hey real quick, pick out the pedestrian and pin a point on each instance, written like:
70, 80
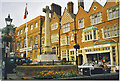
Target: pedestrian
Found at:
100, 63
105, 67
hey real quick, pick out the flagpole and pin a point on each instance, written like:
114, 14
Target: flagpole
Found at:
26, 39
26, 31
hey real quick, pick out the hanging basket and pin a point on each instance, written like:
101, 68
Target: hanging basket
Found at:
76, 46
7, 38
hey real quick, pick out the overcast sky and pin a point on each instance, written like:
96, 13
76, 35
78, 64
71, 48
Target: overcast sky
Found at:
16, 9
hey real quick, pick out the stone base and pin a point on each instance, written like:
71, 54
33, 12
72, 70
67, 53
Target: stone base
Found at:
48, 57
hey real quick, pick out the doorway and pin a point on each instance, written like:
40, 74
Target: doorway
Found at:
80, 59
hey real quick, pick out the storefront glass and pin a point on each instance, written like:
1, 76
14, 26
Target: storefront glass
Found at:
103, 57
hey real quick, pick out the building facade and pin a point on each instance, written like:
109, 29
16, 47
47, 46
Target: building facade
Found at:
98, 33
33, 30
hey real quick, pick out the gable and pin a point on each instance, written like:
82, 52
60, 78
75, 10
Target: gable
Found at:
96, 7
66, 18
110, 3
81, 13
54, 18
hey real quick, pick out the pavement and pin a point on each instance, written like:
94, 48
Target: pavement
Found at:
107, 76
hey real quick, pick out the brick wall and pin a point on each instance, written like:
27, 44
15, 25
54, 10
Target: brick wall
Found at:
35, 70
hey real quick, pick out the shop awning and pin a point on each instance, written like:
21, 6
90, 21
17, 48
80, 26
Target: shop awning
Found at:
98, 52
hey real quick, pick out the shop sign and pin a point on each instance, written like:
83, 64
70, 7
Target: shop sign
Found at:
24, 49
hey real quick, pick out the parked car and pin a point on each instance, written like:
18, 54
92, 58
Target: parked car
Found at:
89, 69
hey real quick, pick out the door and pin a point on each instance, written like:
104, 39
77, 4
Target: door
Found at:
80, 59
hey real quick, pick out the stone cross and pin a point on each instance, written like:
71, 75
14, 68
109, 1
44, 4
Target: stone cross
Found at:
47, 48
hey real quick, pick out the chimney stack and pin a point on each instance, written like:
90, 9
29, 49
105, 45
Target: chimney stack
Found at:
81, 3
55, 8
70, 7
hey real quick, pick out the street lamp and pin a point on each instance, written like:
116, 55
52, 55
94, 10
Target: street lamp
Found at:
8, 23
76, 46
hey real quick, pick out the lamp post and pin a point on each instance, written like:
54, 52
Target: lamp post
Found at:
76, 46
8, 23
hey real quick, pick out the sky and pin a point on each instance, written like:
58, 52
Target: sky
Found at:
16, 9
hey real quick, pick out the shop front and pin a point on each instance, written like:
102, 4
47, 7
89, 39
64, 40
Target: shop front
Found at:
106, 53
103, 57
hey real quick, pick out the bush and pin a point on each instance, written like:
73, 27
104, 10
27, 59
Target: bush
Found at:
55, 75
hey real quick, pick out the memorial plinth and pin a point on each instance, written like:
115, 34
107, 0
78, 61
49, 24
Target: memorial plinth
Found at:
47, 56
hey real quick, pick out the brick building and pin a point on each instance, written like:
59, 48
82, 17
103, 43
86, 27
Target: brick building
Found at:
33, 34
98, 33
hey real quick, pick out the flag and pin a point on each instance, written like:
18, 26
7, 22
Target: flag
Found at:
26, 12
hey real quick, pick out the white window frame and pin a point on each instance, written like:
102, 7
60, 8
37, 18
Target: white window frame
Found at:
113, 31
54, 38
113, 12
81, 23
72, 37
66, 28
54, 26
36, 24
96, 18
90, 35
21, 31
31, 27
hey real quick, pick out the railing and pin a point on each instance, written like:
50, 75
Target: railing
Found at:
41, 63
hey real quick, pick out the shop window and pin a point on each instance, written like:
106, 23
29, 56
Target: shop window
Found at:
114, 55
103, 49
